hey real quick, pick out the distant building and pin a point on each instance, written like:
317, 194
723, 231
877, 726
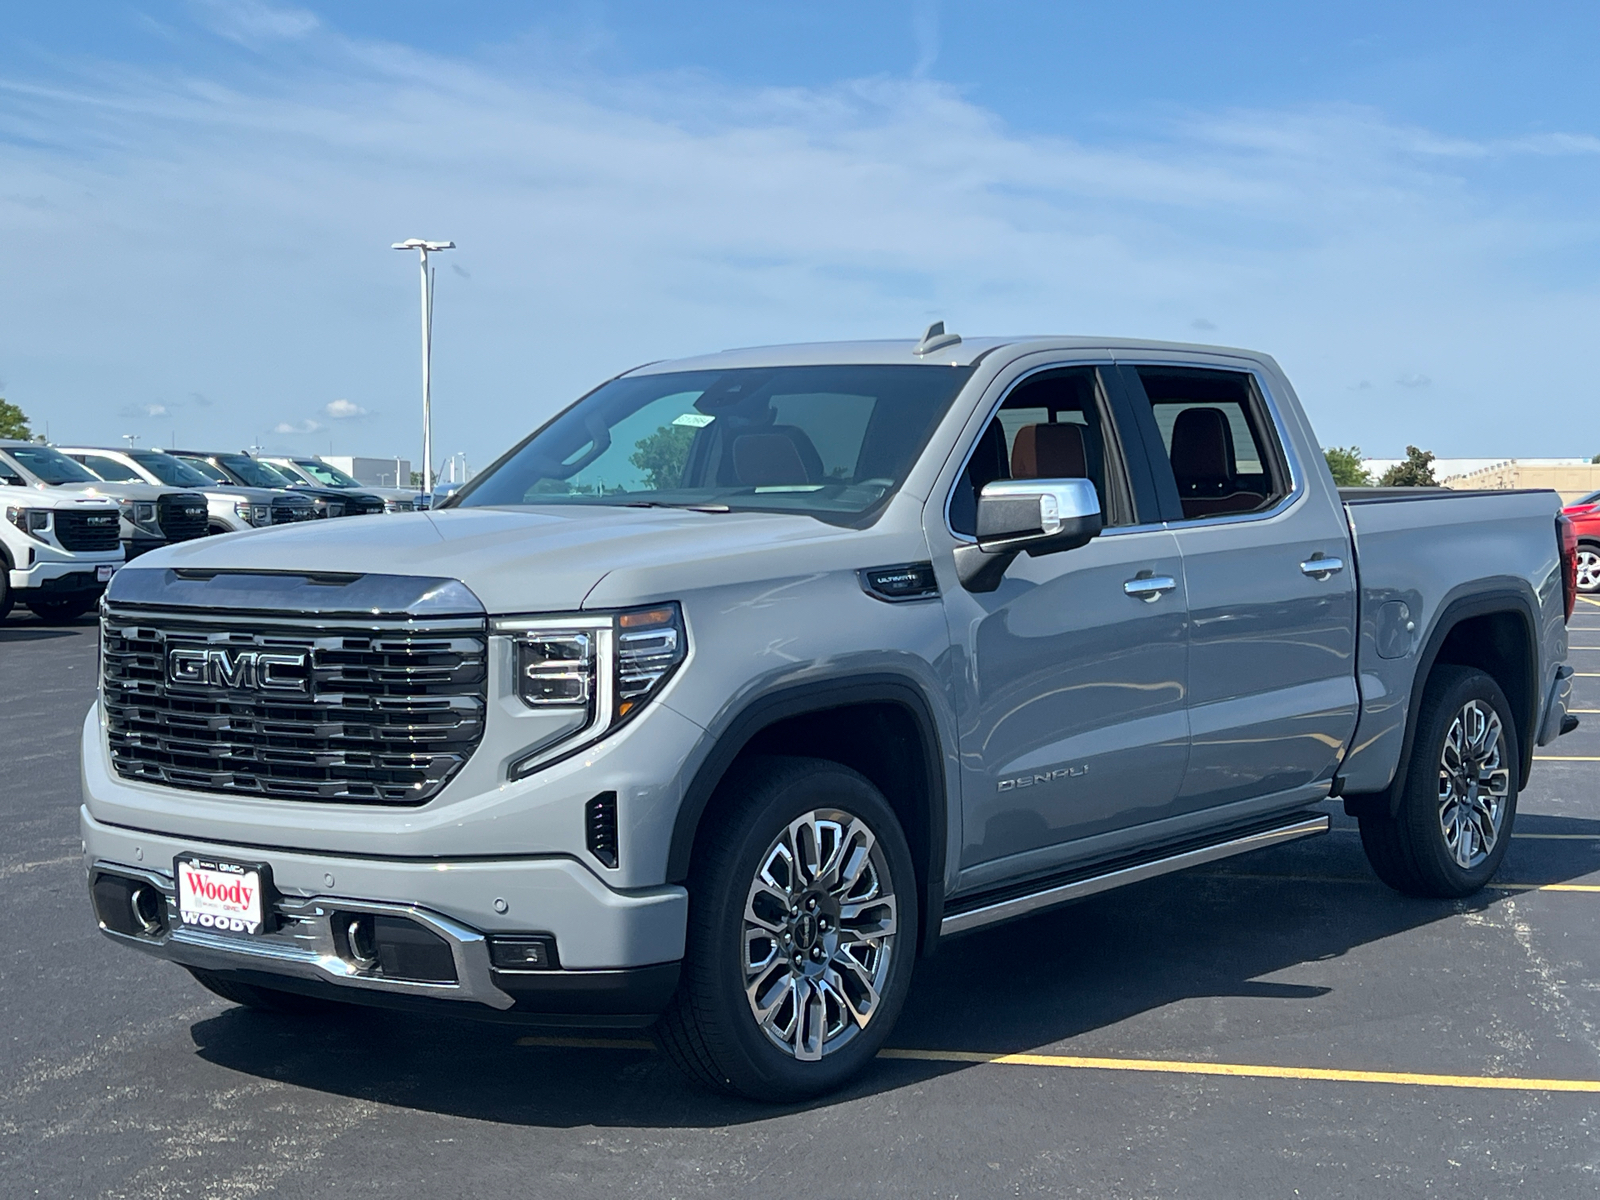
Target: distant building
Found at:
374, 472
1571, 477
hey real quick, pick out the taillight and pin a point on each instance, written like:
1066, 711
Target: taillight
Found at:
1567, 540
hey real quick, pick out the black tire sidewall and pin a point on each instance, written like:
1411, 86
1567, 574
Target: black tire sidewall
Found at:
1447, 693
779, 791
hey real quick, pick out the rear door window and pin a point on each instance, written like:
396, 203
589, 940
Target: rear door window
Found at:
1219, 445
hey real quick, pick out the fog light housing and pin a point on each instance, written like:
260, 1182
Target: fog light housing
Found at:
524, 952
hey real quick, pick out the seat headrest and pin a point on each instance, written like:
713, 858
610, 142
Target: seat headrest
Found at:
1049, 452
1202, 447
768, 459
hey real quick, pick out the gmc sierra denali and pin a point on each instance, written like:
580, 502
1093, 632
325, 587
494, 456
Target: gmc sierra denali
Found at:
747, 679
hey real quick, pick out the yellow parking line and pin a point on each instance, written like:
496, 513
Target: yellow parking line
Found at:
1541, 837
1159, 1066
1372, 880
1163, 1066
1583, 710
1566, 758
1586, 674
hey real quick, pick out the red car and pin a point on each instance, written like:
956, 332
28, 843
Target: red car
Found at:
1585, 517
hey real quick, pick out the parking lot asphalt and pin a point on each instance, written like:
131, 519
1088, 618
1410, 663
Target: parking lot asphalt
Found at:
1277, 1025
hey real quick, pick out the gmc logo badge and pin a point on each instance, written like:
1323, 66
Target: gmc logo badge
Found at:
239, 670
107, 520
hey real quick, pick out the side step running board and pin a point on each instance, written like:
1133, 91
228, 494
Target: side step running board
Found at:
1052, 894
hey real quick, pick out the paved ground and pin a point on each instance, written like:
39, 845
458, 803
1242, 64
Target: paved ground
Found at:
120, 1077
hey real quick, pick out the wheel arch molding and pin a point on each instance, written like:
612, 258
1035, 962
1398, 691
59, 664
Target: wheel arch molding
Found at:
868, 720
1471, 609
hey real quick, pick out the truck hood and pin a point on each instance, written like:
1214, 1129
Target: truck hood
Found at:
513, 560
124, 491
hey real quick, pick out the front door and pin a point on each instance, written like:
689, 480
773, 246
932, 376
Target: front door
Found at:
1272, 694
1072, 673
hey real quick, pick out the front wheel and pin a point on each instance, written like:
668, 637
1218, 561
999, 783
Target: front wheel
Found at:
1588, 567
1455, 816
802, 933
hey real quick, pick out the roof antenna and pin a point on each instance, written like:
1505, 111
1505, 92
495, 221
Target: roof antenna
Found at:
935, 339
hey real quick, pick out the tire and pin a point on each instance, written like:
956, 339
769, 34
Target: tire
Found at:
711, 1029
66, 608
263, 999
1589, 567
5, 589
1466, 747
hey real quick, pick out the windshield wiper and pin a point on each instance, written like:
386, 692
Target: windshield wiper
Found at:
709, 508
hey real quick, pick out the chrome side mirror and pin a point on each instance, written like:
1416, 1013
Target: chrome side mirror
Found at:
1039, 516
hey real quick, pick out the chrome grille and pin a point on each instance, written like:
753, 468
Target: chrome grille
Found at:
88, 530
182, 516
384, 712
289, 513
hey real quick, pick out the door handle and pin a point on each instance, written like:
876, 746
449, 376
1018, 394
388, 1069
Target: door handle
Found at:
1321, 568
1150, 587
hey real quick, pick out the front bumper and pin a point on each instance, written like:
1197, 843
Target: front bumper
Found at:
618, 951
53, 577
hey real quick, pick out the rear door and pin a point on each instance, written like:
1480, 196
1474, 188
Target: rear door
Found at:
1270, 584
1069, 689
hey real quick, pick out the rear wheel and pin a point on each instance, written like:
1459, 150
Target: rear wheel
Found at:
5, 590
1588, 567
63, 608
264, 999
802, 934
1454, 819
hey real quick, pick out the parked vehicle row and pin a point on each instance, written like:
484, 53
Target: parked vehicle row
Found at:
86, 510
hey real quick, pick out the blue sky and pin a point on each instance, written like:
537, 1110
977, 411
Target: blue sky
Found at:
196, 200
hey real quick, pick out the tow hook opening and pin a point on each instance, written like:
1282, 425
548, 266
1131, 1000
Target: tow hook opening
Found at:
131, 907
149, 910
393, 948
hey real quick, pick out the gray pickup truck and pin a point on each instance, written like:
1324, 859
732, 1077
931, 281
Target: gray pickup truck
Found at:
747, 679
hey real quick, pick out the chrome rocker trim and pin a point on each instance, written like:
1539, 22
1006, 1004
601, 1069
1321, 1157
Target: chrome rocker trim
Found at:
1052, 895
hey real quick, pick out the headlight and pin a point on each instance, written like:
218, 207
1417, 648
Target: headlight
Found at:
32, 521
601, 669
254, 514
141, 513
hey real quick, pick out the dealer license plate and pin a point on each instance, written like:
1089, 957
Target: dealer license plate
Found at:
102, 574
222, 896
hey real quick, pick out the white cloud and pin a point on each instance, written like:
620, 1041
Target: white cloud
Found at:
198, 237
251, 22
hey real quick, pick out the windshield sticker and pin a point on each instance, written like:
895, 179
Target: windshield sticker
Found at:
694, 420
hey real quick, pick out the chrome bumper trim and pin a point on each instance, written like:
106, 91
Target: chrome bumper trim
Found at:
304, 946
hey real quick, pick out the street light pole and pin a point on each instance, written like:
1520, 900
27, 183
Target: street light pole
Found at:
423, 249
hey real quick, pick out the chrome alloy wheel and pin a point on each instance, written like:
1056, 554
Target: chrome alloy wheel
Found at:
1588, 569
1474, 784
819, 930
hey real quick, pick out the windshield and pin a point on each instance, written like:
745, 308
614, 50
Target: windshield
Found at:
168, 469
201, 467
832, 442
1591, 498
323, 473
50, 465
254, 472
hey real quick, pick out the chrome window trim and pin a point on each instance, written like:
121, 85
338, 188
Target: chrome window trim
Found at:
1297, 484
950, 492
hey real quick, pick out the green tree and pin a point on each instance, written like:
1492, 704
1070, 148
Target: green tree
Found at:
13, 422
1416, 471
1345, 463
662, 456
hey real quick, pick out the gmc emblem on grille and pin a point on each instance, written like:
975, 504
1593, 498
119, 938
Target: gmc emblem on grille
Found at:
240, 670
107, 520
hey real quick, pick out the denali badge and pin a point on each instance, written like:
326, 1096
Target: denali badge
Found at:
239, 669
1022, 781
